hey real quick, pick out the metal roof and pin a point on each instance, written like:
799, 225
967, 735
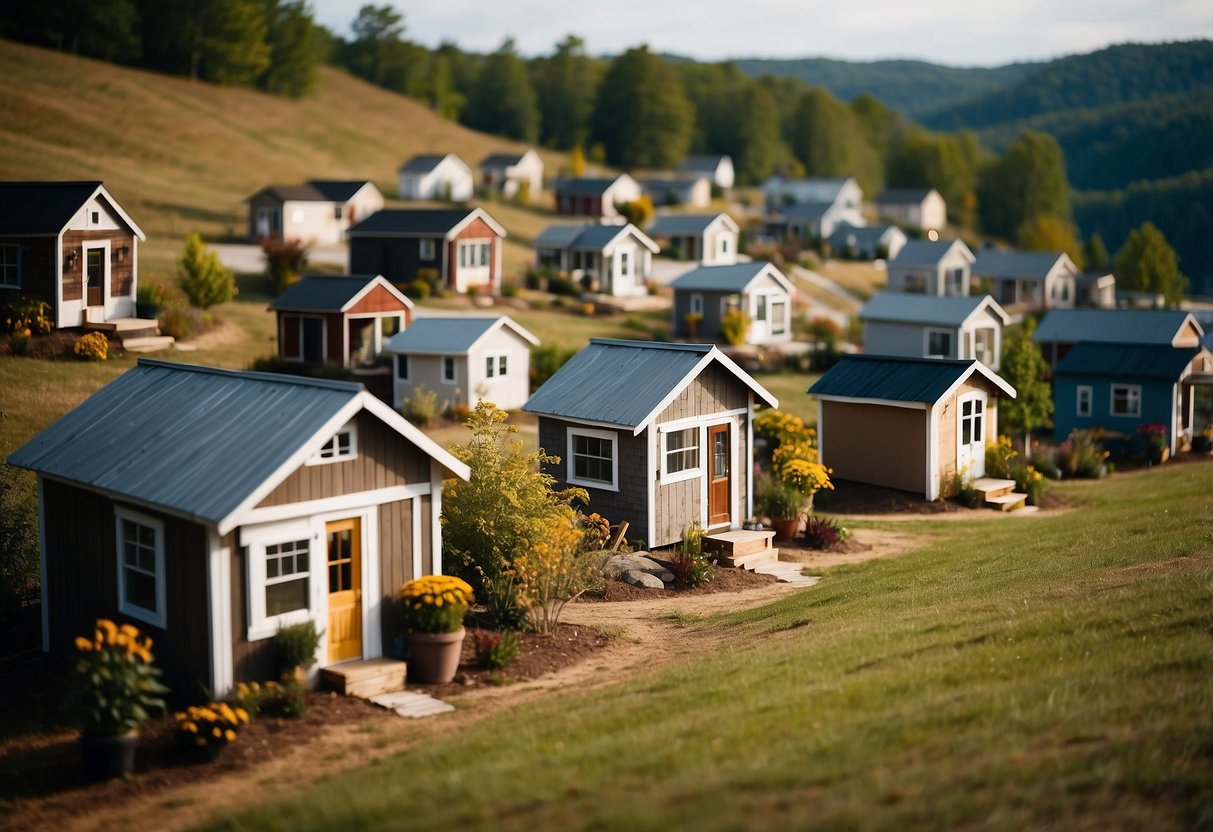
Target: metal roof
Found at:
731, 278
199, 441
862, 234
1125, 326
671, 224
903, 307
927, 252
627, 382
1147, 361
338, 190
502, 160
587, 186
993, 262
417, 222
426, 162
327, 293
589, 236
704, 162
33, 207
806, 210
558, 236
888, 378
450, 336
902, 196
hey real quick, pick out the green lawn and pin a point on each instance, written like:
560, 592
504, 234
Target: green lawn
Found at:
790, 389
1015, 673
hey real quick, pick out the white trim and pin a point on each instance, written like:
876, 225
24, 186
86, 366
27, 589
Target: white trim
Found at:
611, 436
341, 502
712, 355
1136, 414
1078, 391
113, 203
435, 519
932, 472
665, 477
710, 418
695, 304
255, 539
977, 462
415, 511
219, 584
159, 616
865, 400
350, 428
104, 247
372, 596
977, 367
42, 587
377, 280
749, 468
650, 459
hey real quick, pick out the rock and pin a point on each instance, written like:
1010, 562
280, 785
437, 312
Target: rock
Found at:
637, 577
636, 561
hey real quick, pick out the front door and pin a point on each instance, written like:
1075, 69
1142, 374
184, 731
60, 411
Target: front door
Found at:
719, 482
94, 274
345, 589
971, 436
312, 332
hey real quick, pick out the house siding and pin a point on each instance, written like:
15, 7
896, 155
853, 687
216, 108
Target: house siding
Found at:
508, 392
426, 371
379, 299
891, 338
399, 260
37, 275
1156, 403
878, 444
396, 527
121, 273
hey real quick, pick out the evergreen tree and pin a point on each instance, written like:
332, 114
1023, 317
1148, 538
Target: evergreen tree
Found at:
756, 148
1025, 369
643, 117
205, 281
1147, 263
828, 140
1095, 254
503, 101
297, 48
1029, 181
565, 86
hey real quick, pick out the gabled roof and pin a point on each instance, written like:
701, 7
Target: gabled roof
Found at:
452, 336
204, 443
669, 225
339, 190
587, 186
735, 277
629, 383
814, 210
426, 162
37, 208
903, 196
704, 162
1126, 326
332, 293
870, 235
421, 222
1126, 361
902, 307
292, 193
928, 252
590, 236
992, 262
503, 160
889, 378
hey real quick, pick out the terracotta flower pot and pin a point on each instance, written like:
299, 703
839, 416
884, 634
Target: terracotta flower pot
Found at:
106, 758
435, 656
786, 527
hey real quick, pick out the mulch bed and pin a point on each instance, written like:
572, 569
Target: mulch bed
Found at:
725, 579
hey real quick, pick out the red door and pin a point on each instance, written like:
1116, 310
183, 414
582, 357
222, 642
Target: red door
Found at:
719, 484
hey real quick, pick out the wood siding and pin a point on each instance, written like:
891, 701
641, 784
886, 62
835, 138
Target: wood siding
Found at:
288, 330
947, 431
477, 229
121, 272
379, 299
877, 444
384, 460
715, 390
252, 661
396, 521
677, 506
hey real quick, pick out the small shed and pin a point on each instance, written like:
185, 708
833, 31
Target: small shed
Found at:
907, 423
658, 434
872, 242
317, 212
702, 296
925, 326
464, 360
608, 259
513, 175
691, 191
932, 267
1028, 279
709, 238
718, 168
342, 320
436, 176
210, 507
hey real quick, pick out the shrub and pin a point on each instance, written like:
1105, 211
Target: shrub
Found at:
422, 407
19, 567
433, 279
25, 316
1000, 458
963, 490
117, 684
418, 289
1082, 455
92, 346
688, 563
495, 650
563, 285
823, 532
500, 595
435, 603
205, 281
178, 319
509, 289
296, 644
212, 725
546, 359
1031, 482
553, 571
285, 261
734, 327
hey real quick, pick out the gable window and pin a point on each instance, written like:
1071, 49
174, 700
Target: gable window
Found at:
286, 577
402, 367
448, 369
1083, 406
939, 343
426, 248
592, 458
724, 245
96, 217
1126, 400
342, 446
337, 212
10, 277
141, 584
680, 450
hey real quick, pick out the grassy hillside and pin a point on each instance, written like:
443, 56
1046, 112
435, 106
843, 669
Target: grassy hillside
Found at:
1014, 674
182, 156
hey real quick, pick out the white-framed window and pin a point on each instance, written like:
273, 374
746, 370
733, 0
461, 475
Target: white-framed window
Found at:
680, 455
474, 253
696, 306
281, 569
426, 248
1126, 400
494, 365
10, 273
625, 263
448, 369
593, 458
342, 446
389, 325
402, 367
779, 317
939, 343
287, 576
141, 579
1083, 405
760, 308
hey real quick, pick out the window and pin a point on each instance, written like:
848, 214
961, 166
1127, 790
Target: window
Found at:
939, 343
1083, 407
697, 305
724, 245
474, 253
485, 251
592, 458
760, 308
494, 365
141, 592
681, 453
779, 317
1126, 399
341, 447
96, 217
426, 249
448, 369
337, 212
286, 577
625, 263
402, 367
10, 275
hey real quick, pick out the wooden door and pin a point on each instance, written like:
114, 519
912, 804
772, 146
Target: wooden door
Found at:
344, 547
312, 335
719, 481
94, 272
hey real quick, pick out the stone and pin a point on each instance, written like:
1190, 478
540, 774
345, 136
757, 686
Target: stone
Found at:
637, 577
639, 562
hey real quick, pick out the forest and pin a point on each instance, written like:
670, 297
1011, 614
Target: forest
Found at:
1041, 155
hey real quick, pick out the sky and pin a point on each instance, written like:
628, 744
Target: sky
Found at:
951, 32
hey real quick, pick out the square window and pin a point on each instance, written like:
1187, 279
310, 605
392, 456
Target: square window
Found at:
939, 343
426, 249
286, 577
1126, 400
592, 458
340, 447
681, 451
389, 326
9, 273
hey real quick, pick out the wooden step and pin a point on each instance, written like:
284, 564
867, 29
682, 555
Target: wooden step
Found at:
148, 343
1007, 502
751, 561
738, 542
366, 677
990, 487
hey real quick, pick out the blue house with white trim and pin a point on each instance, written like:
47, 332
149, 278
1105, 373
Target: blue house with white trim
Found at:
757, 289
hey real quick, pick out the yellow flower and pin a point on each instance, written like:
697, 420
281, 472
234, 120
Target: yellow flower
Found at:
216, 732
191, 727
229, 735
242, 715
130, 631
83, 644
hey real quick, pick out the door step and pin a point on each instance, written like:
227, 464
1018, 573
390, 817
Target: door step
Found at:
148, 343
1007, 502
365, 678
991, 487
738, 542
788, 573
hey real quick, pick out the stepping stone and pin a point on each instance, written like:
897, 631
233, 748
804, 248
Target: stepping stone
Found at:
412, 705
788, 573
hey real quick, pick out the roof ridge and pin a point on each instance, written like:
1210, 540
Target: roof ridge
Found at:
253, 375
664, 345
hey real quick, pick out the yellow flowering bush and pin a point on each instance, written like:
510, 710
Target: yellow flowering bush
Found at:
117, 685
553, 571
435, 603
795, 462
92, 346
215, 724
26, 316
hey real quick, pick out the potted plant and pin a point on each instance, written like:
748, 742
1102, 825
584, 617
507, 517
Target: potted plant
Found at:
148, 300
433, 612
117, 688
783, 502
1155, 436
205, 730
296, 645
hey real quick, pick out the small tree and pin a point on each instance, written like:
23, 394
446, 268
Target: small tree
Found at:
734, 327
285, 261
577, 162
553, 571
205, 281
638, 212
1025, 369
1147, 263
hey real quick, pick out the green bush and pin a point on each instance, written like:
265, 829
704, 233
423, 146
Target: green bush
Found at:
495, 650
964, 492
421, 408
419, 289
296, 644
688, 563
178, 319
509, 289
500, 595
205, 281
285, 262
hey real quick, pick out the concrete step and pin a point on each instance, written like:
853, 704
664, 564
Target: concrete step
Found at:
148, 343
365, 678
737, 542
1007, 502
991, 487
750, 561
412, 705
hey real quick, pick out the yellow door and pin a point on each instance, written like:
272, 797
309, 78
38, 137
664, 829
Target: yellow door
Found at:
345, 589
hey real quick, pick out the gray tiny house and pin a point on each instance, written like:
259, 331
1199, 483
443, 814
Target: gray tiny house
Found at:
758, 289
660, 435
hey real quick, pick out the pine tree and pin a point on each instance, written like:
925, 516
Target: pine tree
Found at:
205, 281
503, 100
643, 117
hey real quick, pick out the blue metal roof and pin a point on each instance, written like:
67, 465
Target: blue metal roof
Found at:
442, 336
322, 293
731, 278
903, 307
585, 186
196, 441
1125, 326
924, 252
670, 224
865, 235
588, 236
902, 196
1125, 361
992, 262
893, 378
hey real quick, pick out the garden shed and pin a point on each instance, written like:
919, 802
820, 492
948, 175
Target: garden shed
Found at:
907, 423
758, 289
210, 507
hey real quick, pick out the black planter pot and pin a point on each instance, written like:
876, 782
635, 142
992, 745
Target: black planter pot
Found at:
106, 758
150, 311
